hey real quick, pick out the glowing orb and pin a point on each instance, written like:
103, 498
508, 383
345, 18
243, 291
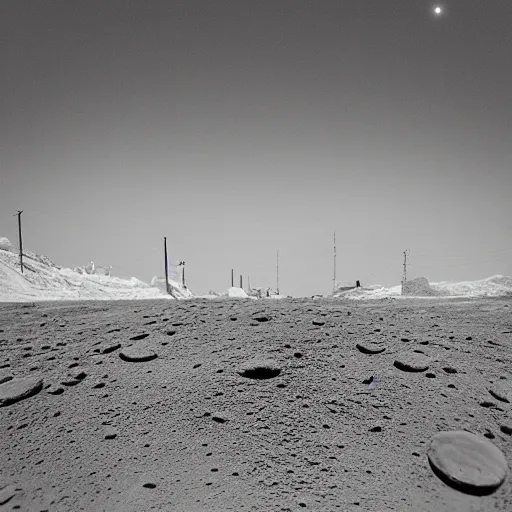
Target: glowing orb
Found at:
438, 11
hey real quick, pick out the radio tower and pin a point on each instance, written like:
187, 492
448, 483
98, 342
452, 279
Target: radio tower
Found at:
20, 239
166, 264
404, 276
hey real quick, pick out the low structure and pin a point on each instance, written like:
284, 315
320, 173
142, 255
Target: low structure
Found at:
418, 287
93, 269
341, 289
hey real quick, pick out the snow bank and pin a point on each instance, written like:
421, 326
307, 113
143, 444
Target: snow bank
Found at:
44, 280
495, 286
175, 289
236, 293
370, 292
6, 245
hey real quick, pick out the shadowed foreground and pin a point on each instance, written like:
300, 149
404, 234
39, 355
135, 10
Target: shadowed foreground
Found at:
244, 405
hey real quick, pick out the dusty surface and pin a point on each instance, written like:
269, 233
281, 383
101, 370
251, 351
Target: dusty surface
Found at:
335, 429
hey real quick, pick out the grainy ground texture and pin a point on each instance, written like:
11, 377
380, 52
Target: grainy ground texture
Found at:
256, 405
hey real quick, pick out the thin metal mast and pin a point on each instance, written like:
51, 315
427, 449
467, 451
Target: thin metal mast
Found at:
20, 239
404, 277
166, 266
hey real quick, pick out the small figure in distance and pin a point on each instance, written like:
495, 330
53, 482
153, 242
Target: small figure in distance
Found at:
358, 284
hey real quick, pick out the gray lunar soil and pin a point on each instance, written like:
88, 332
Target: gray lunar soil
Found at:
284, 405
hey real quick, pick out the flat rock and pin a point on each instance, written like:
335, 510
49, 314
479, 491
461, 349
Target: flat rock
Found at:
502, 392
5, 376
262, 318
111, 348
7, 493
55, 390
137, 354
139, 337
70, 382
467, 462
18, 389
370, 348
412, 362
260, 369
110, 433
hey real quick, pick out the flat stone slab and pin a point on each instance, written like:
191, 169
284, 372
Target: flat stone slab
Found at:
467, 462
260, 369
111, 348
261, 318
5, 376
18, 389
412, 362
55, 390
110, 433
70, 382
502, 392
137, 354
7, 493
370, 348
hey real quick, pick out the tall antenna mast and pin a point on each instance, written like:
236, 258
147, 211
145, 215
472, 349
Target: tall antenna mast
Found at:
166, 266
334, 278
20, 239
404, 277
277, 272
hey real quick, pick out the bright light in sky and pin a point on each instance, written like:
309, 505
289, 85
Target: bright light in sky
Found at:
438, 10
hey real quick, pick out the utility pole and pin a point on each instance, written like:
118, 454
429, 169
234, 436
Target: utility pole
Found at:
248, 283
404, 277
241, 282
277, 272
334, 278
183, 275
166, 266
20, 238
232, 278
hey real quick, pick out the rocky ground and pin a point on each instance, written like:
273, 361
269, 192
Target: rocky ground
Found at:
256, 405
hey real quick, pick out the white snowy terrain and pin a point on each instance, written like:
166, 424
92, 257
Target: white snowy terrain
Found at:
495, 286
44, 280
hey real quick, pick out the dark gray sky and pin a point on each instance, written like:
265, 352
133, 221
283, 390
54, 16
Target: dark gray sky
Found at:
240, 128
